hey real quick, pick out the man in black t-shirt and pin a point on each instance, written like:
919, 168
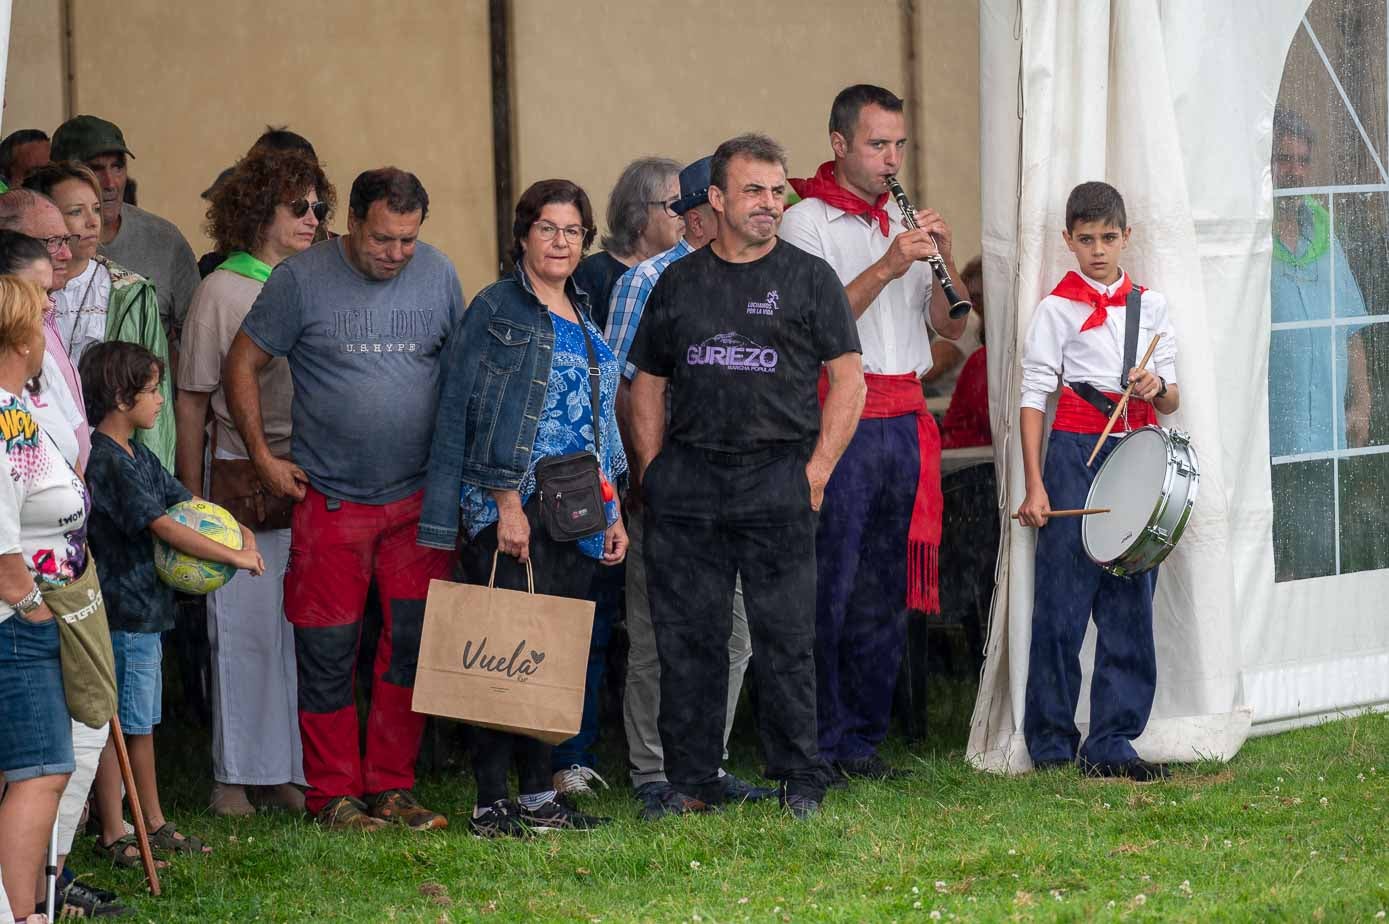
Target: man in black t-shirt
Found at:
740, 331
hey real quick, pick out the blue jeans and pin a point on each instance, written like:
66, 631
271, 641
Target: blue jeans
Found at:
35, 728
606, 592
139, 680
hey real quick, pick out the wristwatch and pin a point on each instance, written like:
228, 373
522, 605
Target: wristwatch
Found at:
30, 602
1161, 392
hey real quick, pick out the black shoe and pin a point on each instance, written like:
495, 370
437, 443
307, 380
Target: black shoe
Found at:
871, 767
736, 791
800, 806
661, 799
556, 816
500, 819
1140, 771
79, 900
1055, 763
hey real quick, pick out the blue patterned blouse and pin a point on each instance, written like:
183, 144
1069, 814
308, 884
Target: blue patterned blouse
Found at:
566, 425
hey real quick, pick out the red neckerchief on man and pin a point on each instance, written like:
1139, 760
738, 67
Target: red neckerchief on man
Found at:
1077, 289
824, 186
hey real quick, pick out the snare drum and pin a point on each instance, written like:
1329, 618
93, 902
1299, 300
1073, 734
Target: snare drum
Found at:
1149, 484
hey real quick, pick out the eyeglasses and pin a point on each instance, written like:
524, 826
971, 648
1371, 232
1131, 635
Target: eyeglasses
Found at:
667, 205
574, 234
55, 243
299, 207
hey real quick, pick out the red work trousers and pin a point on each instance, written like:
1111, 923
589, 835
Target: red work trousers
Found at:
336, 549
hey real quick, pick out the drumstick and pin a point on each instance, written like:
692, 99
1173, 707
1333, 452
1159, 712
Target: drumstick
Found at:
137, 815
1123, 402
1084, 511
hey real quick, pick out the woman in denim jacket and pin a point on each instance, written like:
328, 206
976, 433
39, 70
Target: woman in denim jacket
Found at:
516, 390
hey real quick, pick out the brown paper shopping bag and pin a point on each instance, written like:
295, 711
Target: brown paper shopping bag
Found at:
511, 660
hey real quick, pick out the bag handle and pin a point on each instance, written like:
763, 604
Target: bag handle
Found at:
530, 575
595, 375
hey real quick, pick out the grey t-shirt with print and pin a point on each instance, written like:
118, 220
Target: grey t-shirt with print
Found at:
366, 360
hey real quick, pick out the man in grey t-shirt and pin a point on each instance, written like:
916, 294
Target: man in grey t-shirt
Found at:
363, 320
138, 240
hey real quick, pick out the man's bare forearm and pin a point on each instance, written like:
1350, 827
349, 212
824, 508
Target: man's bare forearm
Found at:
647, 406
840, 415
241, 374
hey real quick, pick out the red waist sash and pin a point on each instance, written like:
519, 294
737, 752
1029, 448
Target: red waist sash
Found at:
1076, 415
898, 396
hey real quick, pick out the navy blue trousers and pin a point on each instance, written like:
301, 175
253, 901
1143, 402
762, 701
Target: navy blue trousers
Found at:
606, 594
1070, 589
861, 589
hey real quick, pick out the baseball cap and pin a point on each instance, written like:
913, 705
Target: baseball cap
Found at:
84, 137
694, 186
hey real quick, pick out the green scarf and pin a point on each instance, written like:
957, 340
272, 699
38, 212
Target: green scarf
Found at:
1319, 242
243, 264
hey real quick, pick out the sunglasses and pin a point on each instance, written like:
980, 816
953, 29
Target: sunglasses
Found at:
299, 207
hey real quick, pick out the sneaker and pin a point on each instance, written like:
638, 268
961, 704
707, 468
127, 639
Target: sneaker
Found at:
660, 799
801, 807
500, 819
736, 791
229, 801
347, 814
79, 900
871, 767
556, 816
399, 806
1140, 771
574, 781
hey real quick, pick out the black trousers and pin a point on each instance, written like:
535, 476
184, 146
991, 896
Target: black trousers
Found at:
560, 570
712, 517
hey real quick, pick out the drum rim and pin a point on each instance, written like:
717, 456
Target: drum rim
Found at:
1160, 507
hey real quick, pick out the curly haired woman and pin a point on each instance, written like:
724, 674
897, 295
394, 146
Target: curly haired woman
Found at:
269, 209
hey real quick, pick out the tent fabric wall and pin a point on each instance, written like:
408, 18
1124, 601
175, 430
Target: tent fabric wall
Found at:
1172, 102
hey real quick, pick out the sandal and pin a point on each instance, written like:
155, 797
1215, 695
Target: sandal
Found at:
124, 852
169, 841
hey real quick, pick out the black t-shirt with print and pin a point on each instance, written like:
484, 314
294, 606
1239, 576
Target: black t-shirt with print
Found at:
742, 345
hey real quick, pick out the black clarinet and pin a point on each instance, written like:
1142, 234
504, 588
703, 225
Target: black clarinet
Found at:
959, 307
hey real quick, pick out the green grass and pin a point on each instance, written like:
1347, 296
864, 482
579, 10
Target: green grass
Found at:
1294, 829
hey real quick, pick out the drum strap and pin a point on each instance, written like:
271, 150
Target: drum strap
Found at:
1092, 395
1132, 308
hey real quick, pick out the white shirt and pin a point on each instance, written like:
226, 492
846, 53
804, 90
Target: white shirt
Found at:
56, 410
81, 309
1056, 351
43, 504
893, 330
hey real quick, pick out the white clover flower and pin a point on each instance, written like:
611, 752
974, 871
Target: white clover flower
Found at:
1140, 899
694, 864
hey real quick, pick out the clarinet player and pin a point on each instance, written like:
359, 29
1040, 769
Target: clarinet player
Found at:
883, 503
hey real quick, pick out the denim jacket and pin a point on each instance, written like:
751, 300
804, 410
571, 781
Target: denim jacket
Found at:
495, 377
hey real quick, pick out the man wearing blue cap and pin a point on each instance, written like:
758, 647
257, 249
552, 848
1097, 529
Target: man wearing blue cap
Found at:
642, 700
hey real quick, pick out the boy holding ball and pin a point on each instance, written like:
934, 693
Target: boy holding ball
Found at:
130, 493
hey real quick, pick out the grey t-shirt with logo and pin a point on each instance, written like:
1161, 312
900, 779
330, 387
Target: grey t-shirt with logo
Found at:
366, 361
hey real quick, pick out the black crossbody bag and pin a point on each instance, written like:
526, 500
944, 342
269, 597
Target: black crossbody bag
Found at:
569, 488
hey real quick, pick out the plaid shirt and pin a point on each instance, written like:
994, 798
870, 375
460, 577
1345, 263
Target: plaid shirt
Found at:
629, 300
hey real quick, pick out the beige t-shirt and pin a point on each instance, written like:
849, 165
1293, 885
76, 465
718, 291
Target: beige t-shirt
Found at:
219, 305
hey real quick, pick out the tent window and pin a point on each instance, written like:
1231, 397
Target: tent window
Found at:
1329, 345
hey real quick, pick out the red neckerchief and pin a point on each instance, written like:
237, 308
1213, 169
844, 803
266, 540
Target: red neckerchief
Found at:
1078, 290
824, 186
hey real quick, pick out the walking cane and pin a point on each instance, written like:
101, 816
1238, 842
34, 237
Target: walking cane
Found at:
51, 871
136, 814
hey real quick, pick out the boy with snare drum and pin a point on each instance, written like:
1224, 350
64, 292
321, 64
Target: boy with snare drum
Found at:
1077, 342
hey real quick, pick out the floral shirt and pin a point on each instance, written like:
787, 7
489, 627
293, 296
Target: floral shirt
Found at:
43, 504
566, 425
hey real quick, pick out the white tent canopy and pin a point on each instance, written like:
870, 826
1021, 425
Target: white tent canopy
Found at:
1173, 103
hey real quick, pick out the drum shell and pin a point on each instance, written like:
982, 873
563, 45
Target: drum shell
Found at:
1167, 521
